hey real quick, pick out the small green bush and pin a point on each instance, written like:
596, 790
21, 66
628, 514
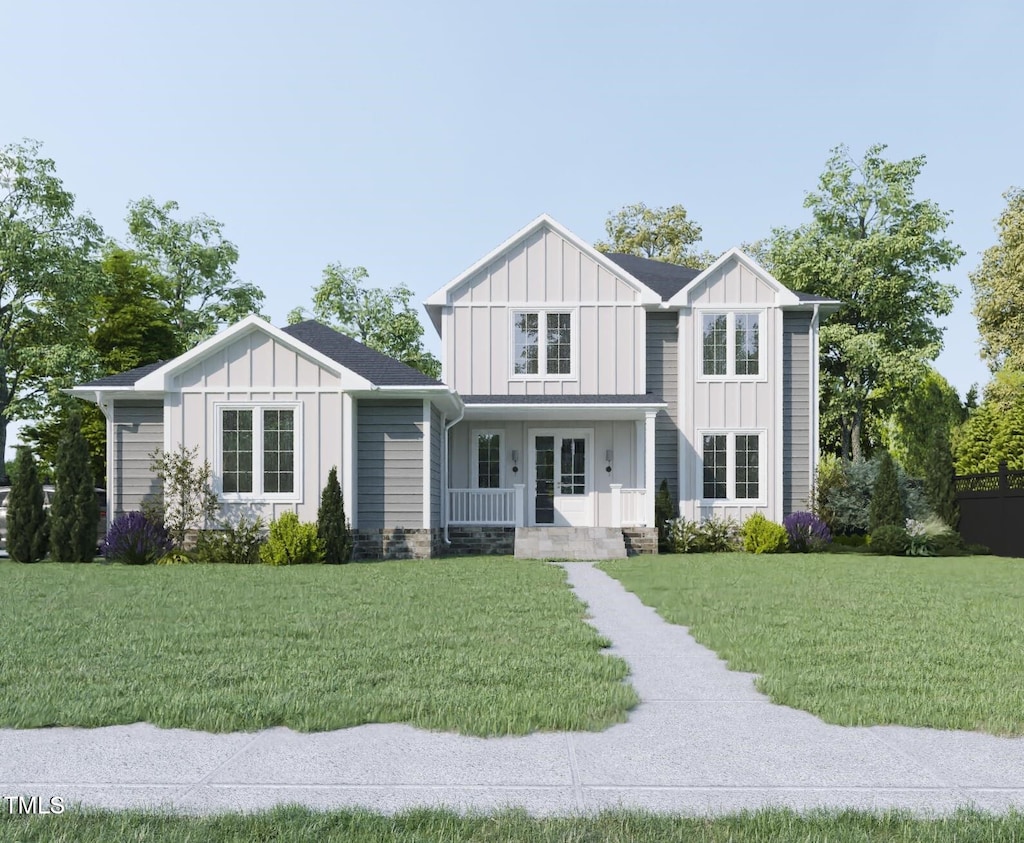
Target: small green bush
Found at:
331, 524
292, 542
890, 540
231, 544
664, 510
763, 536
178, 557
715, 535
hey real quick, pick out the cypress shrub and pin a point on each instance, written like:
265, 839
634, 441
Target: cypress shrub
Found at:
664, 511
74, 514
331, 525
27, 533
886, 506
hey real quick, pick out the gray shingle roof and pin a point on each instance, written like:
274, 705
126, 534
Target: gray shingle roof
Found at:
377, 368
562, 399
128, 378
666, 279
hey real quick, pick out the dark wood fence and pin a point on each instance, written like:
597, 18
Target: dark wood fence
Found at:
992, 510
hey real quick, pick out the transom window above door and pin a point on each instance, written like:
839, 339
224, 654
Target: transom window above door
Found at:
542, 344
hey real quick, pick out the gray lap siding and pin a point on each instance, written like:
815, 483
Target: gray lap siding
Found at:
796, 412
390, 464
137, 429
663, 382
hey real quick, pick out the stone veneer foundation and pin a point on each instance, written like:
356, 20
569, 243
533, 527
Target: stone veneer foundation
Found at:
397, 543
481, 541
640, 540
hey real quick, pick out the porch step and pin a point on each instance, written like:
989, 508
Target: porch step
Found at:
569, 543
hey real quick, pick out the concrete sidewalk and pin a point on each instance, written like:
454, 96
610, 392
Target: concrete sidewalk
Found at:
703, 741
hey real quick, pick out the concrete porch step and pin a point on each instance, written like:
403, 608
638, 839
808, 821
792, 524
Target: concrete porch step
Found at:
569, 543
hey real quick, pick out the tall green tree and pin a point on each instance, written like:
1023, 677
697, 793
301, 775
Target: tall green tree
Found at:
132, 326
886, 504
382, 319
332, 526
74, 513
664, 234
48, 277
994, 432
27, 528
195, 269
874, 246
999, 290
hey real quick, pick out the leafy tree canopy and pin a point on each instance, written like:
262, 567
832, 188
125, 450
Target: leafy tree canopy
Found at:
378, 318
999, 290
48, 277
193, 267
872, 245
664, 234
995, 431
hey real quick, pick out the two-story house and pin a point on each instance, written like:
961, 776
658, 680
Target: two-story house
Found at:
574, 382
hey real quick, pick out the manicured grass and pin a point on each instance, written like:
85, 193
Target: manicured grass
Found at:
484, 646
856, 639
300, 824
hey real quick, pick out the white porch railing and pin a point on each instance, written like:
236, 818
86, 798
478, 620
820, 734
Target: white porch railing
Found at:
628, 506
499, 507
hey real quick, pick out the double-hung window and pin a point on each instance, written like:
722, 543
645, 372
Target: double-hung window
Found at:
259, 454
731, 466
730, 344
542, 343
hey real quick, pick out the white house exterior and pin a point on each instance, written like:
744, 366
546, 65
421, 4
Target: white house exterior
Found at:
574, 382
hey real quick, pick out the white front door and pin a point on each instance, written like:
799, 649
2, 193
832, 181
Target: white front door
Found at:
561, 487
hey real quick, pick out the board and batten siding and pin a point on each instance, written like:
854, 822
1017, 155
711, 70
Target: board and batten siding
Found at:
256, 369
544, 271
796, 412
663, 382
137, 429
390, 464
729, 405
436, 432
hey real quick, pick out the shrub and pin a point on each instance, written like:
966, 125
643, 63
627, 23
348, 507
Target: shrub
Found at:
886, 505
134, 539
932, 537
177, 557
763, 536
664, 510
291, 542
829, 483
714, 535
231, 544
889, 540
331, 525
806, 531
74, 512
27, 522
188, 497
848, 501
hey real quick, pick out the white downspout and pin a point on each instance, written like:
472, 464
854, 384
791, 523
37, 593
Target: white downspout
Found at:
812, 354
444, 472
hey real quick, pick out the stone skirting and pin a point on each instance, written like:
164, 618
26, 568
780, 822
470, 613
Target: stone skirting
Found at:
640, 540
397, 543
481, 541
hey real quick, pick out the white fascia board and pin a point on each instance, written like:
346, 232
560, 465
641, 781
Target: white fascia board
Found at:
537, 413
784, 296
442, 296
441, 396
107, 393
159, 379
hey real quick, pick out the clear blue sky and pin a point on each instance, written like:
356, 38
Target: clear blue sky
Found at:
412, 137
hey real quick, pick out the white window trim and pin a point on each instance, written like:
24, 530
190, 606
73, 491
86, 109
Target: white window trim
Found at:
730, 314
257, 495
542, 345
730, 466
474, 468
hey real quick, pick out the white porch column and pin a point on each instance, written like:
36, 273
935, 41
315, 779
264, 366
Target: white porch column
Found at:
616, 504
349, 458
520, 504
427, 442
649, 468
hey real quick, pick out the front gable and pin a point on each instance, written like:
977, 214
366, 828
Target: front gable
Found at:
734, 279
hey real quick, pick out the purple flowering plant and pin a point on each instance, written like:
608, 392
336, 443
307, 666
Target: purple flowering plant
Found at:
806, 531
134, 539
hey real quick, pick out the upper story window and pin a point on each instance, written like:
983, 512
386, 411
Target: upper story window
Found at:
542, 343
731, 344
258, 450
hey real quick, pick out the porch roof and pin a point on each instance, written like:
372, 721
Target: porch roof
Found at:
562, 407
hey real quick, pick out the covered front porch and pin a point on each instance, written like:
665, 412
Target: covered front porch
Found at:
544, 464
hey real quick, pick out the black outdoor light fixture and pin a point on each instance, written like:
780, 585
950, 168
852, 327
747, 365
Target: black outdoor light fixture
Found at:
515, 461
608, 459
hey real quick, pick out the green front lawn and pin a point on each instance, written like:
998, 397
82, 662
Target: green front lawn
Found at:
856, 639
489, 646
300, 824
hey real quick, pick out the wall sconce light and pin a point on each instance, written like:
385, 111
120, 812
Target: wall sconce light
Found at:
608, 459
515, 461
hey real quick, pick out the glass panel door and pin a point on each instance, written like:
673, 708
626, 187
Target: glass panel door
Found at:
544, 503
574, 479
